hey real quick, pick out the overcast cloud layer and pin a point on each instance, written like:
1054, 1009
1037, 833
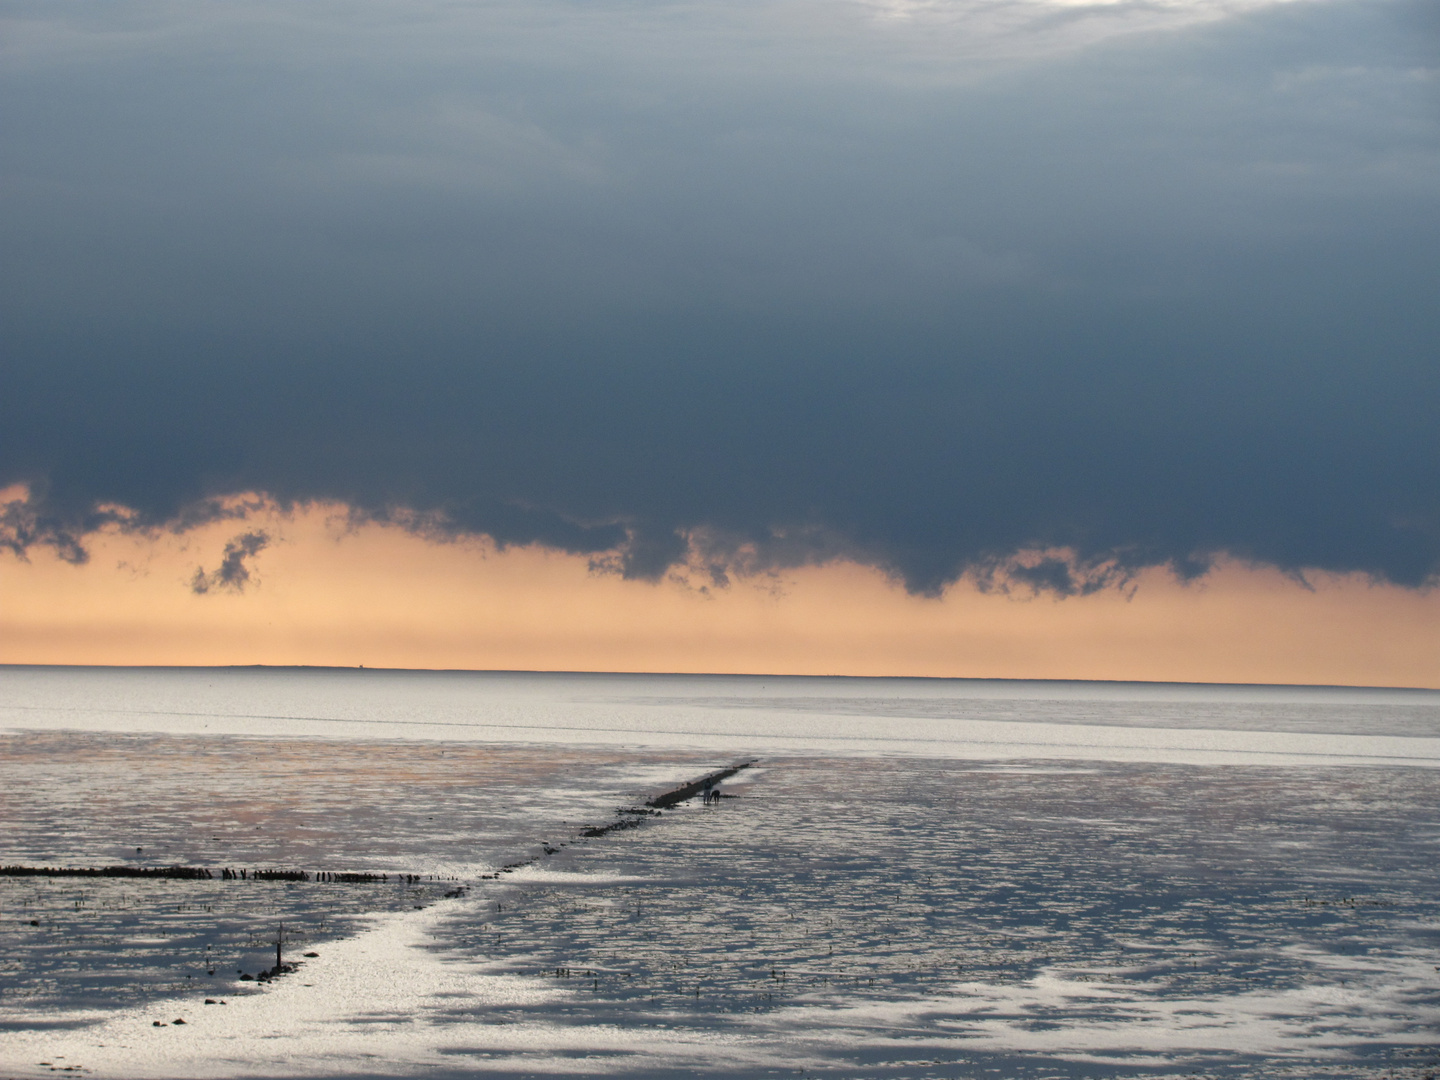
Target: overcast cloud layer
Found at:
744, 284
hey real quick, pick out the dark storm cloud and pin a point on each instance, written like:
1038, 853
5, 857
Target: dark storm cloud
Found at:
748, 287
232, 573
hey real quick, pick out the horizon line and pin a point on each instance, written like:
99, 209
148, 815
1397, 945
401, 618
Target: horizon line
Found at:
721, 675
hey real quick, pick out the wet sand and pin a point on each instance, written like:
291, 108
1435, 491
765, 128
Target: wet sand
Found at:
1034, 899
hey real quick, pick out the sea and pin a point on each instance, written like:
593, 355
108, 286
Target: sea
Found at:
449, 874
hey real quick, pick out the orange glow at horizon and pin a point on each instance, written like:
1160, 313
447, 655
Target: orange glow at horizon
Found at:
378, 596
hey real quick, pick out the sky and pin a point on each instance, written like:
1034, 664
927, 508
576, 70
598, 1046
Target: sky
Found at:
1004, 338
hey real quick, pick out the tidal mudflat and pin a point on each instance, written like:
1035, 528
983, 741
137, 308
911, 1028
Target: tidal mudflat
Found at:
958, 884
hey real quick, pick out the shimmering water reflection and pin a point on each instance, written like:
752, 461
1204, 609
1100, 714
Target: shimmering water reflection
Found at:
444, 813
919, 878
